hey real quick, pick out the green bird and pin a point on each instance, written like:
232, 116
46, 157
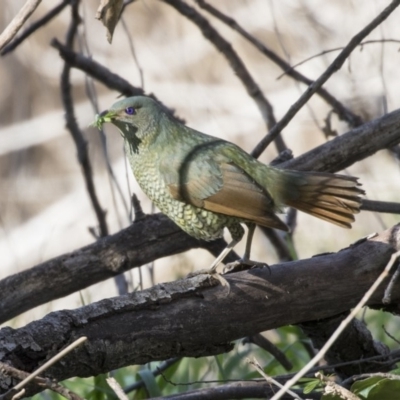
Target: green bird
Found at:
205, 184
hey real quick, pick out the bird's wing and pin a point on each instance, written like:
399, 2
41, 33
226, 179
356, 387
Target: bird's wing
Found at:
213, 181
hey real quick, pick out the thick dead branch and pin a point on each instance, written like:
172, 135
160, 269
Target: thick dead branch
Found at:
155, 237
196, 317
237, 390
353, 146
150, 238
355, 343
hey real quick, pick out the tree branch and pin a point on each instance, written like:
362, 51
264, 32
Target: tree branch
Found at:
34, 27
342, 112
235, 62
150, 238
196, 317
335, 66
355, 145
156, 236
72, 125
18, 21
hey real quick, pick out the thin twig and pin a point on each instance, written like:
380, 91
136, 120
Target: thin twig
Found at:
102, 74
269, 379
262, 342
342, 112
45, 366
387, 297
80, 142
335, 66
34, 27
114, 385
156, 372
18, 21
332, 388
133, 52
289, 70
380, 206
354, 378
318, 357
236, 63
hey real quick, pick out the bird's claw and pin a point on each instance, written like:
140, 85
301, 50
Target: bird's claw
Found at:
213, 273
244, 264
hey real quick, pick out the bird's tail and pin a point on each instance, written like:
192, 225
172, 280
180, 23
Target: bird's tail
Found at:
333, 198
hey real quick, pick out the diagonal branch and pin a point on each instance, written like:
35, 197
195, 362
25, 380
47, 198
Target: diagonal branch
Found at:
235, 62
18, 21
355, 145
343, 112
34, 27
335, 66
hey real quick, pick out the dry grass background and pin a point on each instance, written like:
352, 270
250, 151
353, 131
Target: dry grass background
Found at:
44, 207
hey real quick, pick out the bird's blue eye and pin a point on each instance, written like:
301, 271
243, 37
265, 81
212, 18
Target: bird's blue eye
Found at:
130, 111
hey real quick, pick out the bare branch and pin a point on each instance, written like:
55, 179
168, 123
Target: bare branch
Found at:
154, 325
335, 66
154, 237
335, 335
238, 390
381, 206
235, 62
355, 145
362, 44
34, 27
72, 125
18, 21
343, 112
149, 238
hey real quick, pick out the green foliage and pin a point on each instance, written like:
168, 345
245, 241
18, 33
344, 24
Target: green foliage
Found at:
377, 388
310, 384
189, 373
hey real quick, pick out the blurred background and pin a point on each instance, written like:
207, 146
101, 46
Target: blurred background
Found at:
44, 207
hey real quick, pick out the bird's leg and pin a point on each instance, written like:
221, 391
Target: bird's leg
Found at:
222, 255
245, 260
250, 234
237, 233
213, 269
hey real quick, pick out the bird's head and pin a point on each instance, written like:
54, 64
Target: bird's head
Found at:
136, 118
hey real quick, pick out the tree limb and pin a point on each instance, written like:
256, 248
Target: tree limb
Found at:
156, 236
196, 317
336, 64
355, 145
150, 238
18, 21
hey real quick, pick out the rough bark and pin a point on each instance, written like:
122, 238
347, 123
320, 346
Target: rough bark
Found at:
156, 236
197, 316
149, 238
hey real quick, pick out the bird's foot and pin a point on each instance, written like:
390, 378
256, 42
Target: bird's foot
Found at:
243, 264
212, 272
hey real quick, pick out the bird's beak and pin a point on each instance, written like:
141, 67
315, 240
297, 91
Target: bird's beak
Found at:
103, 117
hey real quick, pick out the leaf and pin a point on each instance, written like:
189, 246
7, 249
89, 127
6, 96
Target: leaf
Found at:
108, 13
168, 374
386, 389
150, 382
310, 384
362, 388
